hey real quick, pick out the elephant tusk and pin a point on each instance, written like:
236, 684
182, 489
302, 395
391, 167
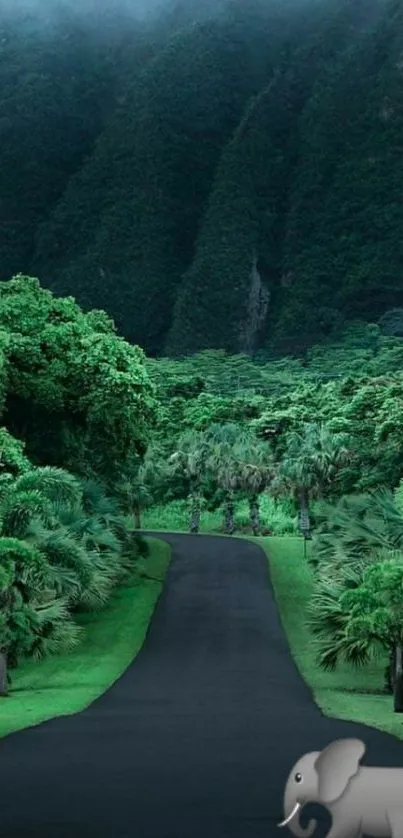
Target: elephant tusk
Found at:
291, 816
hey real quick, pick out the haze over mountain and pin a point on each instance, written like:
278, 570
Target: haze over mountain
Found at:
213, 175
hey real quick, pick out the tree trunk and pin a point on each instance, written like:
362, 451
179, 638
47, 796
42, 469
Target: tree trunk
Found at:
195, 514
229, 516
390, 672
3, 675
398, 685
137, 516
254, 514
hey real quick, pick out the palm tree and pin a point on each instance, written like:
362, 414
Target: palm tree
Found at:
104, 514
313, 459
222, 466
19, 508
72, 524
63, 546
96, 502
34, 620
189, 461
76, 577
59, 486
255, 470
356, 526
326, 618
134, 492
369, 619
239, 464
352, 535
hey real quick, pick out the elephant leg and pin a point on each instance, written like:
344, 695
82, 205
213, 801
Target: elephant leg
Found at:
395, 820
346, 830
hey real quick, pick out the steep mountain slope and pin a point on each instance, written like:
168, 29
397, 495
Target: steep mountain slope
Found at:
59, 82
343, 250
237, 285
124, 232
230, 182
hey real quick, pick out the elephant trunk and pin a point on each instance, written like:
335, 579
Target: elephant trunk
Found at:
292, 811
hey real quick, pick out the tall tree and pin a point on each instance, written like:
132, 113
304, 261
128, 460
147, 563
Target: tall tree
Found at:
314, 455
189, 461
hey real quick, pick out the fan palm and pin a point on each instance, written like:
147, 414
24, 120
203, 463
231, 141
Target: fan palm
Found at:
134, 492
313, 459
356, 526
96, 502
328, 617
353, 534
189, 461
134, 495
27, 584
19, 508
222, 465
56, 484
370, 621
255, 470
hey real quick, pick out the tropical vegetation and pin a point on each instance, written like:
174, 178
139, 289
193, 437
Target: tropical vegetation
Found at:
201, 322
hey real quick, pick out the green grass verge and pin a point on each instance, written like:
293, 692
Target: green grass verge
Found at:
278, 516
347, 693
65, 684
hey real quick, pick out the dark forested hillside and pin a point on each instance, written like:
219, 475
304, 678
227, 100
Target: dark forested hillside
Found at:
230, 180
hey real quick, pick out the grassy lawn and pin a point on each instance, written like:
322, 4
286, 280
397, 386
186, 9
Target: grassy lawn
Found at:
346, 693
66, 684
174, 517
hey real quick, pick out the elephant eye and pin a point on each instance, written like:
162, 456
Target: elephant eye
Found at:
298, 778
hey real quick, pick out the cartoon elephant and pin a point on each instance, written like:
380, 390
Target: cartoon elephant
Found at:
361, 800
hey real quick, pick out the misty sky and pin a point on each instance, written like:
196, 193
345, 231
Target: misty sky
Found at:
51, 8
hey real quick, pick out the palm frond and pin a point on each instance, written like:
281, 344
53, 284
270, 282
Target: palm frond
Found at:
56, 484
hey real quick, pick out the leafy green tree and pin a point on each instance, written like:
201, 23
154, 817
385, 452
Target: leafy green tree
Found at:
71, 374
13, 459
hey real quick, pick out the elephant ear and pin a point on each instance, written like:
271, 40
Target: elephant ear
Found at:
336, 765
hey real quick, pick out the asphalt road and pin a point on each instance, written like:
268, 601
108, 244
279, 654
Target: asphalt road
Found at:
198, 736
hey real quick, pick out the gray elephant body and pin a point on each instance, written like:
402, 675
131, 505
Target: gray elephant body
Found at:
372, 804
361, 800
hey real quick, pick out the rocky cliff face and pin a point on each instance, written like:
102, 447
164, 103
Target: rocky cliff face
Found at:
258, 302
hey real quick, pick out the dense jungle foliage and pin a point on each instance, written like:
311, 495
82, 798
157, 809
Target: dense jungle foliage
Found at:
226, 180
99, 441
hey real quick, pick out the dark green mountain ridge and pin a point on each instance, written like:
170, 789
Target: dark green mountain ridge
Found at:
232, 182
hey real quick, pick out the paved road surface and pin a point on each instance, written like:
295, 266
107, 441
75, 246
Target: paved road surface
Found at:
197, 737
